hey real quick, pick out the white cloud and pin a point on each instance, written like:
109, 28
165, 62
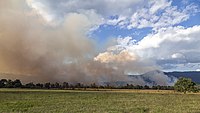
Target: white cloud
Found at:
161, 13
117, 21
53, 11
170, 41
177, 55
130, 13
110, 57
156, 5
104, 7
41, 10
167, 48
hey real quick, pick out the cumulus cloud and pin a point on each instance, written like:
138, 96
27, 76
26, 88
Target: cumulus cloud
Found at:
54, 11
161, 13
123, 56
128, 13
173, 41
168, 48
103, 7
177, 55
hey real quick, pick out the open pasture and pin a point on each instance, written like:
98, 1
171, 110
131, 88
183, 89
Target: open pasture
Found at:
97, 101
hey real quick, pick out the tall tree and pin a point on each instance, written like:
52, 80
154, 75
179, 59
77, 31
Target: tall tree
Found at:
17, 83
185, 85
30, 85
65, 85
3, 82
9, 84
47, 85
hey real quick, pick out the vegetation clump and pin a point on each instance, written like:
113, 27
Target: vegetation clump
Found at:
185, 85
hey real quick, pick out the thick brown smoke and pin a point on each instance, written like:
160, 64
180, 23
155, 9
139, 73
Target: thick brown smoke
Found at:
28, 47
33, 51
37, 52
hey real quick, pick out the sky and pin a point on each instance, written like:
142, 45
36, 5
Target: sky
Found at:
130, 36
164, 31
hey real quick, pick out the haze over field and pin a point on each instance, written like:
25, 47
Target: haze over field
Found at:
98, 40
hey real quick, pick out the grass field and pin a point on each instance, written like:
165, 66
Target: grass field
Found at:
102, 101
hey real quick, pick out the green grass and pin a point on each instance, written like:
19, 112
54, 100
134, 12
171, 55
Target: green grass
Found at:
116, 101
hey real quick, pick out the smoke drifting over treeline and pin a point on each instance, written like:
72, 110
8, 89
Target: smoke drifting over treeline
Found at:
34, 51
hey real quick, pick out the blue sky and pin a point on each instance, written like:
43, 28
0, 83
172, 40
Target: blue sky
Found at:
105, 31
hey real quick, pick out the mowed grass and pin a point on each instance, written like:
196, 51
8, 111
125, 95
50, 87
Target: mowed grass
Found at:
102, 101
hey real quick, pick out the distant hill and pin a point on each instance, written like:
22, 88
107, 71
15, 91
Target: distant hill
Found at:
194, 75
157, 77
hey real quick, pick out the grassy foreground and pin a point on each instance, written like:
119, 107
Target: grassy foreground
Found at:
103, 101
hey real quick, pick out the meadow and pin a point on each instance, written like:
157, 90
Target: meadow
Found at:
97, 101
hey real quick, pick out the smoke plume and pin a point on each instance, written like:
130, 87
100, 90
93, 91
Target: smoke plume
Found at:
32, 50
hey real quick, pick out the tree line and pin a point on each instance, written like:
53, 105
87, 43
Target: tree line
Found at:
182, 85
4, 83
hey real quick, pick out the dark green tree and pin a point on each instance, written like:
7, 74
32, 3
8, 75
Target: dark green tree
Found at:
65, 85
30, 85
146, 87
93, 85
185, 85
17, 83
9, 84
39, 85
3, 82
52, 85
57, 85
47, 85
